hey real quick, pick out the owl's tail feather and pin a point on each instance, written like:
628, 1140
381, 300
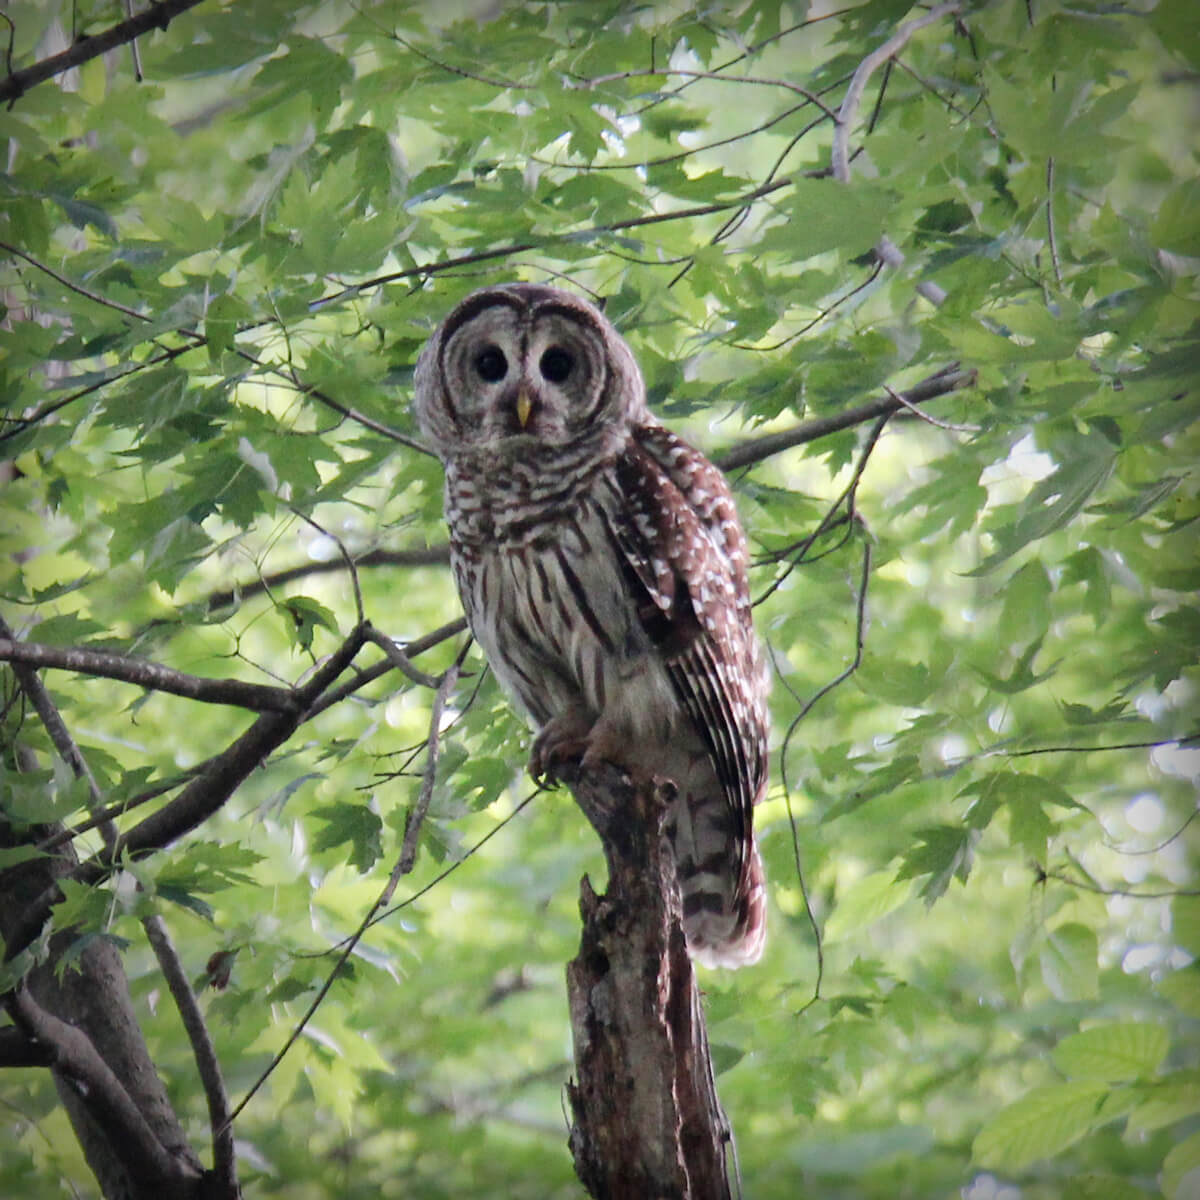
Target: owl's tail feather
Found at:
724, 913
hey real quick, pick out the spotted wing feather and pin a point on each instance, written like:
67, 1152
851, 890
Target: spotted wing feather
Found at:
687, 562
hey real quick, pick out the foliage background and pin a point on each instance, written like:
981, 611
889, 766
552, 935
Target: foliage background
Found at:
212, 273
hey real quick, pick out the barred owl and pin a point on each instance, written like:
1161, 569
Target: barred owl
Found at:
603, 572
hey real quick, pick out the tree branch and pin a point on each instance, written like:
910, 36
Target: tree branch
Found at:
379, 669
839, 155
151, 675
208, 792
17, 1049
76, 1060
949, 379
157, 16
647, 1121
202, 797
208, 1067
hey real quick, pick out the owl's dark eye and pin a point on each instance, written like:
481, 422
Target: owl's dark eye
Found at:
556, 364
491, 364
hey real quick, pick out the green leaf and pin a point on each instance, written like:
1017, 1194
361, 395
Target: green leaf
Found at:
944, 852
895, 681
866, 902
220, 324
1022, 677
1181, 1169
901, 770
1185, 923
1098, 1186
1068, 962
724, 1057
1113, 1052
1053, 501
1170, 1100
350, 824
1041, 1124
1182, 989
1177, 226
825, 215
306, 615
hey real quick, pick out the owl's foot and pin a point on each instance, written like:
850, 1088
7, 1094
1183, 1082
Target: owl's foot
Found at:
574, 740
562, 742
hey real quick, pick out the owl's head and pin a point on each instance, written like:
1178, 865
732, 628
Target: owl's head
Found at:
521, 364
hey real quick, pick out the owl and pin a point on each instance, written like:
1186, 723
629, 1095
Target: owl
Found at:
602, 568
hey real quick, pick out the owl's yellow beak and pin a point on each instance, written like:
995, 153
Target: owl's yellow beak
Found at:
524, 407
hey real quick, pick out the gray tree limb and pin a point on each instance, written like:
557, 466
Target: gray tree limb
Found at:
151, 675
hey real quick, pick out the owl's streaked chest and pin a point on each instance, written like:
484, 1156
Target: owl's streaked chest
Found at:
549, 602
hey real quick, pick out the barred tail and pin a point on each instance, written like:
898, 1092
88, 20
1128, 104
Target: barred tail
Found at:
724, 899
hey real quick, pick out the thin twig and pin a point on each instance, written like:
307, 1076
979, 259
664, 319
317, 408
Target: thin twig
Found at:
378, 670
400, 660
289, 375
157, 16
135, 54
347, 561
416, 815
924, 416
839, 155
418, 556
112, 811
1083, 885
20, 424
885, 249
438, 878
1179, 741
1161, 845
404, 865
664, 159
1050, 237
462, 72
8, 50
813, 923
842, 676
872, 275
811, 97
948, 379
71, 285
464, 260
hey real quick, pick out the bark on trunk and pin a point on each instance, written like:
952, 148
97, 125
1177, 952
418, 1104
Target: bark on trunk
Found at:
137, 1148
647, 1121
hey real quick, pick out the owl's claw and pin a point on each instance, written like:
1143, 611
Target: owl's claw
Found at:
553, 750
572, 741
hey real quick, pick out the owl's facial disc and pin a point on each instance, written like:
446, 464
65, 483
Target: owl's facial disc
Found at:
526, 372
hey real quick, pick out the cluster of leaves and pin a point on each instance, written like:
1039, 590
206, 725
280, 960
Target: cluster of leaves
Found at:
218, 280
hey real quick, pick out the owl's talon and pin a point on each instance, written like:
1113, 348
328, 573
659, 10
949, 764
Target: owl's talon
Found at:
552, 754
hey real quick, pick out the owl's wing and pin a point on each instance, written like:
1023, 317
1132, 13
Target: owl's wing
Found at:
685, 560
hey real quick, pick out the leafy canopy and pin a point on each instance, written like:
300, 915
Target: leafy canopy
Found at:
216, 283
